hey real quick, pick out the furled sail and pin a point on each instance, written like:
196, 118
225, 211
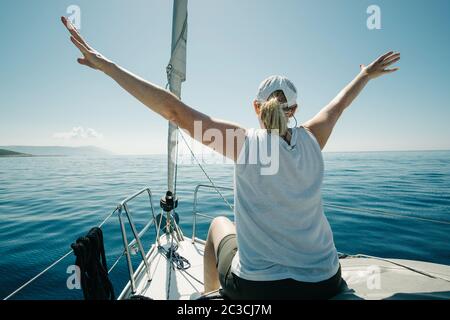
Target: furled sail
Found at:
176, 73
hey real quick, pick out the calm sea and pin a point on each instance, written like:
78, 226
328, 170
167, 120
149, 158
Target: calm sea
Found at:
47, 202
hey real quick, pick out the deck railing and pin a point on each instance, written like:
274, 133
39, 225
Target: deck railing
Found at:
123, 209
196, 212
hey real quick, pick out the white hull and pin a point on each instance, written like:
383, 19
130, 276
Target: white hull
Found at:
376, 279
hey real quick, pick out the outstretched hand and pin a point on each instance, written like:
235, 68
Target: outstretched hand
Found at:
91, 57
380, 66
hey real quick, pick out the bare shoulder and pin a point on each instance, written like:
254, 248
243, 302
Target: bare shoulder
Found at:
309, 130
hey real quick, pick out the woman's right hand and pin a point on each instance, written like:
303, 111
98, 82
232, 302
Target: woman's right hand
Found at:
380, 66
91, 57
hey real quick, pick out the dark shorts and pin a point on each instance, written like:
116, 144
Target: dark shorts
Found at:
287, 289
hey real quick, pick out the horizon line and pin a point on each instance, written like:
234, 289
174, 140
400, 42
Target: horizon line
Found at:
346, 151
113, 153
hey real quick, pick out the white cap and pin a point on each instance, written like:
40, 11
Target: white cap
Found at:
275, 83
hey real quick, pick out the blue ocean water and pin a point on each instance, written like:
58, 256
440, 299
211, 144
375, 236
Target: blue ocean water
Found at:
47, 202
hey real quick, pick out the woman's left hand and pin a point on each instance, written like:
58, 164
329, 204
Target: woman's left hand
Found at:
380, 66
91, 57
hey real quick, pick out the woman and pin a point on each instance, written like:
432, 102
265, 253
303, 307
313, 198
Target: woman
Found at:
286, 248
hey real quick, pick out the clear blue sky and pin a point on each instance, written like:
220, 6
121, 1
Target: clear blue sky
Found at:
232, 46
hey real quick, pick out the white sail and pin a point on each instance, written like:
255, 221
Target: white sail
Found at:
176, 75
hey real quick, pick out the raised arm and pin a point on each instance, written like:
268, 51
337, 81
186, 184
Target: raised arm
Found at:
164, 102
322, 124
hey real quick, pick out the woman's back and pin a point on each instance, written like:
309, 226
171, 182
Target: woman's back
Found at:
282, 231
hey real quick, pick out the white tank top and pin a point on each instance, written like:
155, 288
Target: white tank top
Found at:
282, 231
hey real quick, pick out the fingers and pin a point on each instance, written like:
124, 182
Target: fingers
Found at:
85, 62
388, 58
74, 32
66, 23
390, 70
384, 56
391, 61
392, 57
80, 46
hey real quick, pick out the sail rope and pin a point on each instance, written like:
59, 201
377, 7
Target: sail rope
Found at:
176, 168
116, 262
205, 173
356, 209
344, 256
171, 266
386, 213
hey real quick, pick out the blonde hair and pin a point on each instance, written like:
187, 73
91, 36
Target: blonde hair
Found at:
273, 116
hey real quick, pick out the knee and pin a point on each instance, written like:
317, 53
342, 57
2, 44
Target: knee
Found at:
219, 221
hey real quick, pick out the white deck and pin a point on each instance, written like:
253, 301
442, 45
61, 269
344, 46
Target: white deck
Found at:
183, 284
367, 278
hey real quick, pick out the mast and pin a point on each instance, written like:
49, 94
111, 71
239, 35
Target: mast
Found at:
176, 74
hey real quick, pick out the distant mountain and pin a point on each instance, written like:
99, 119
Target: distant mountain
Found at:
9, 153
59, 151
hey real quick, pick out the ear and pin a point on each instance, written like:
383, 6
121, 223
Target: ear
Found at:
292, 112
257, 107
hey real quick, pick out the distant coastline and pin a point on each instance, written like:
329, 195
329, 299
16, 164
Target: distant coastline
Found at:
52, 151
8, 153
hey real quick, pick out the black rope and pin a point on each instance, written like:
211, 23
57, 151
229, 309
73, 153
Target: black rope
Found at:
181, 263
91, 260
